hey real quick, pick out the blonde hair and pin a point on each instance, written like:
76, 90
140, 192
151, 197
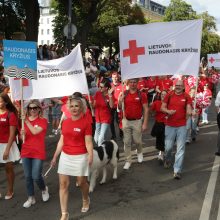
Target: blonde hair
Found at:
81, 101
38, 104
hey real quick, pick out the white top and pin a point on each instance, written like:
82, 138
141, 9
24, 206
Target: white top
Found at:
217, 101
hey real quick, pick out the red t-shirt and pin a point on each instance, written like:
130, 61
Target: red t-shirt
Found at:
150, 84
67, 113
6, 120
34, 145
102, 111
134, 106
141, 84
159, 115
74, 133
178, 103
164, 84
117, 91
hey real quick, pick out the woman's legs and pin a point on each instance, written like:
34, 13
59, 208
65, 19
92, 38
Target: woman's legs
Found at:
9, 169
27, 166
84, 186
64, 192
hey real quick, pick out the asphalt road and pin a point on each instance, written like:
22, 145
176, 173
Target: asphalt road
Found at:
145, 192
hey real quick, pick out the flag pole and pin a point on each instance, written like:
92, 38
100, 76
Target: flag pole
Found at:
22, 109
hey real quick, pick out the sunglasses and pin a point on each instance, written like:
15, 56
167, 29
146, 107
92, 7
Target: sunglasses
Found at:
32, 108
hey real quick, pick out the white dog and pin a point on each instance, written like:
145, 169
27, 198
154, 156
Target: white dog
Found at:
107, 153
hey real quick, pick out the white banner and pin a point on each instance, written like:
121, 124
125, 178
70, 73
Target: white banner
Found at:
161, 48
214, 60
55, 78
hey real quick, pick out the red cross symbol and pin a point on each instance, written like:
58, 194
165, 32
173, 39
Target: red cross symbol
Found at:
211, 60
25, 82
133, 51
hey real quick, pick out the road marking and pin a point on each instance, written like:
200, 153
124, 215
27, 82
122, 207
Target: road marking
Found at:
207, 203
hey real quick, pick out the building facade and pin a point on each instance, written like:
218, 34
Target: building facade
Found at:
45, 33
151, 9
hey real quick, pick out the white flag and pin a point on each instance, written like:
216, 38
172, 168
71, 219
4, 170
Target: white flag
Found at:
55, 78
214, 60
161, 48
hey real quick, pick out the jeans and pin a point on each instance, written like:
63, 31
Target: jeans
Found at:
205, 114
191, 125
33, 172
102, 131
178, 134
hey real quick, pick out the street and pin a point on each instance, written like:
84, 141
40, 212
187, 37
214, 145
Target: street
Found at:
145, 192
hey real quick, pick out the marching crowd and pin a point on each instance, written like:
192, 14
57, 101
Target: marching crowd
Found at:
178, 104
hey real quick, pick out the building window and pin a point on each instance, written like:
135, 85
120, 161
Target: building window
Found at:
48, 42
42, 31
48, 31
48, 20
42, 42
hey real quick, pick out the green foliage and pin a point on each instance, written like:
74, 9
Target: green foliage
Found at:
97, 21
180, 10
12, 17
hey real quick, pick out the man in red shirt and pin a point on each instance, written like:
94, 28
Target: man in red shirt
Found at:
177, 106
135, 119
117, 88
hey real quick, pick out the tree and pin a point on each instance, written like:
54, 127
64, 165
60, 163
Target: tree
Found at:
20, 16
11, 17
210, 40
180, 10
32, 13
97, 21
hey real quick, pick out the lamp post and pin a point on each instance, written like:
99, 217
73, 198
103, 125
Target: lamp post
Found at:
69, 38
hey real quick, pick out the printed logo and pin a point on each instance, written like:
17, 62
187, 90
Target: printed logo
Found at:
77, 129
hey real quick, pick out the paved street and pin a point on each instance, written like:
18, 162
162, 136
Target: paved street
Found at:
146, 192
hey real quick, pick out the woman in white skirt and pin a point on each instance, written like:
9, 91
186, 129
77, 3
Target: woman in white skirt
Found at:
76, 148
9, 152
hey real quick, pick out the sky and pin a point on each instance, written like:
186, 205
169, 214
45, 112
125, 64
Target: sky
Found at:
211, 6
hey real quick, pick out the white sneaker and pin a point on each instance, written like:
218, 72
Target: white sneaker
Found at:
31, 201
140, 157
160, 156
45, 195
127, 166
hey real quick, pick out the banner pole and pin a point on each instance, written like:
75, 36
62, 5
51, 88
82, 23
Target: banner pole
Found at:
22, 108
91, 107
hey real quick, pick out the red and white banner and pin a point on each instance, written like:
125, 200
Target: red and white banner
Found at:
161, 48
55, 78
214, 60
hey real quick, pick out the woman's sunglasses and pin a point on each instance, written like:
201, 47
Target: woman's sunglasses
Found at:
33, 108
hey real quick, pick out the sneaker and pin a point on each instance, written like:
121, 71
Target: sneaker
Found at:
140, 157
176, 176
167, 164
45, 195
127, 166
31, 201
160, 157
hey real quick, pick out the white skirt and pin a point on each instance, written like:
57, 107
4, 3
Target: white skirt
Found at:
14, 153
73, 165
